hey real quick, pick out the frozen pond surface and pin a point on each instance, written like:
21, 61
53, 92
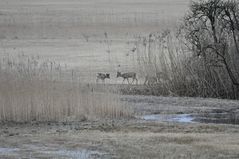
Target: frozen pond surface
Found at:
48, 152
5, 151
77, 154
182, 118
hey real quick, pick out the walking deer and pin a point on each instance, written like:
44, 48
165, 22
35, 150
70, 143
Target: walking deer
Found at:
102, 77
128, 75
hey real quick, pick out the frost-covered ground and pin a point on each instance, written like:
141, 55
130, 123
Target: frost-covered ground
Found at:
129, 138
90, 36
97, 36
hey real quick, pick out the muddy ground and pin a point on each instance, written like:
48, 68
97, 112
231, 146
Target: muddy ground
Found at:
131, 138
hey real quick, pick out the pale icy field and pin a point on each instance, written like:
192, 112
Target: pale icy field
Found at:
92, 36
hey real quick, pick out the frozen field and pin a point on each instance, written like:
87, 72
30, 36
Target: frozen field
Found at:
41, 117
92, 36
132, 138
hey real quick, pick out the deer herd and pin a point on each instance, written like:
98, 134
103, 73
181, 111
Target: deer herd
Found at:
149, 80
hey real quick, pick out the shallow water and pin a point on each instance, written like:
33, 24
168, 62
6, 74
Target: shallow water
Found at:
182, 118
74, 154
5, 151
49, 152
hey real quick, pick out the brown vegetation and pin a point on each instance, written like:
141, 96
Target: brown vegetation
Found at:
200, 58
32, 90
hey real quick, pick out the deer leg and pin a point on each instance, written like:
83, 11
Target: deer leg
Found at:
145, 81
128, 80
136, 81
123, 81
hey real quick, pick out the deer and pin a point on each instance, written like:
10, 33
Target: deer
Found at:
102, 77
127, 75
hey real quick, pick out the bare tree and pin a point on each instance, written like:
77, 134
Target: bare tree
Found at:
210, 27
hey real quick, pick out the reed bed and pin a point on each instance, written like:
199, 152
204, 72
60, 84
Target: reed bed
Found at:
182, 72
36, 90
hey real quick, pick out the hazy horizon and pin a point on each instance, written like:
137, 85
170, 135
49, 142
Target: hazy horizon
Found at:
81, 33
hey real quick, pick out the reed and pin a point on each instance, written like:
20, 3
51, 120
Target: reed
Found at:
182, 72
35, 90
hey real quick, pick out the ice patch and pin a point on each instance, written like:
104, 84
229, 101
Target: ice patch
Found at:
182, 118
8, 151
75, 154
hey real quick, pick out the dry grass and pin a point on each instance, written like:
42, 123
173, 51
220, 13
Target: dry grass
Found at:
133, 144
42, 91
183, 73
130, 138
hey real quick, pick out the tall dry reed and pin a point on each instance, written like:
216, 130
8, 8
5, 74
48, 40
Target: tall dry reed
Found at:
183, 73
35, 90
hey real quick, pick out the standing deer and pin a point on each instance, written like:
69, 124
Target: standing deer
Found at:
127, 76
102, 77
